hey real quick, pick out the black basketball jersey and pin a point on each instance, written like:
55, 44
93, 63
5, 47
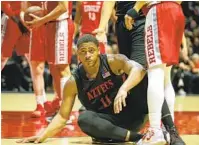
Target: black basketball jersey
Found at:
123, 6
98, 94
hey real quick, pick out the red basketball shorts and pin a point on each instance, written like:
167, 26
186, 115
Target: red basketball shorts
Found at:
11, 38
164, 29
59, 38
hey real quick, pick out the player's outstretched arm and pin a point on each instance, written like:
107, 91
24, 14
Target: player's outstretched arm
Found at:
135, 71
59, 121
106, 12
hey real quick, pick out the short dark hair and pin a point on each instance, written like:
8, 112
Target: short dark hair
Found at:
87, 38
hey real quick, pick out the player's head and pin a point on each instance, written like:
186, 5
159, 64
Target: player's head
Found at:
88, 49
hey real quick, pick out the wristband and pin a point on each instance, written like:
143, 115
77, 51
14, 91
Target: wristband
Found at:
132, 13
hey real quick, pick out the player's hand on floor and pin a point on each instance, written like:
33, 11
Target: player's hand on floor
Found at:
120, 101
32, 139
128, 22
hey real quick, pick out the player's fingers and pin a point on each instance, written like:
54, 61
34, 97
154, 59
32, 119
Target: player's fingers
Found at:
34, 16
126, 22
19, 141
116, 106
37, 141
120, 104
129, 24
124, 101
28, 23
25, 140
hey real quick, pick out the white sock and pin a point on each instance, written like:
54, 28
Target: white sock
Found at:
155, 96
170, 98
39, 99
63, 81
44, 97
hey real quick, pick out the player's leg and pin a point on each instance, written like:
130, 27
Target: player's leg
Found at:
37, 70
169, 90
155, 91
36, 60
160, 50
59, 45
60, 74
103, 127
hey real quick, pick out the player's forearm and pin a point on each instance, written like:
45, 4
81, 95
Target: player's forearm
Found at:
54, 127
106, 13
76, 28
24, 6
61, 8
184, 43
138, 5
134, 78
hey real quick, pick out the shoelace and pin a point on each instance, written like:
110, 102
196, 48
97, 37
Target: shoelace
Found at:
148, 135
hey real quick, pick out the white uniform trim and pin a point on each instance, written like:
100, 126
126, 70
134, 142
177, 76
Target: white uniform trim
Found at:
61, 42
4, 21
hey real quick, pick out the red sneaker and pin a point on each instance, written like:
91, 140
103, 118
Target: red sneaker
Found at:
39, 111
49, 108
56, 104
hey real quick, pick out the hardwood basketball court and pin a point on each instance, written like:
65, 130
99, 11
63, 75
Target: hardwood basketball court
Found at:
17, 123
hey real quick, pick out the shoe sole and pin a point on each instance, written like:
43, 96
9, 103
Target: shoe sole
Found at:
160, 143
154, 143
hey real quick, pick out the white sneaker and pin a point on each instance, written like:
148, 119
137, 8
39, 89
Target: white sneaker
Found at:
153, 136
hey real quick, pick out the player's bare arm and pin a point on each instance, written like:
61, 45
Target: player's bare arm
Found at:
59, 121
24, 7
120, 63
61, 8
77, 19
184, 48
106, 12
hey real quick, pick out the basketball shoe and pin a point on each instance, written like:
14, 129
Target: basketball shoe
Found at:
153, 136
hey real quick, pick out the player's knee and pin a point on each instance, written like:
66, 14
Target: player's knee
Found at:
65, 71
38, 68
85, 120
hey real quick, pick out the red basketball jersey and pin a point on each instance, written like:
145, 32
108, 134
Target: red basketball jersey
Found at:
91, 14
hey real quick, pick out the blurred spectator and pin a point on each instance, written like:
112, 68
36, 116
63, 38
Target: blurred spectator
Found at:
196, 45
